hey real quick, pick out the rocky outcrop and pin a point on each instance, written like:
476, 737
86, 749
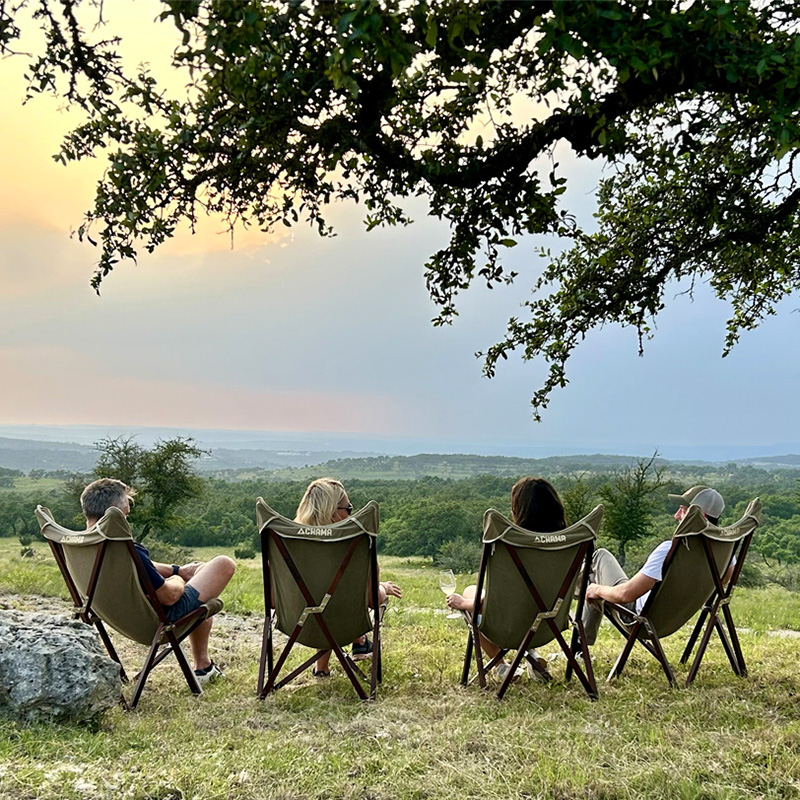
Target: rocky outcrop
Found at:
53, 668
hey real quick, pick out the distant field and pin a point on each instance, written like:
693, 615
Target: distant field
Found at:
425, 737
27, 485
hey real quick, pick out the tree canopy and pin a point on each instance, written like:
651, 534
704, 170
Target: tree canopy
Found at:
692, 104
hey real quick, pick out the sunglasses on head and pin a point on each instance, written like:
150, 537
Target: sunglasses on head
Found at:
348, 508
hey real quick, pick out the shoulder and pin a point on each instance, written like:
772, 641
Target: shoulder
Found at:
655, 561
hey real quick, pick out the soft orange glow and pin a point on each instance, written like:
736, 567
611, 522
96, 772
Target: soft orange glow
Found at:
53, 385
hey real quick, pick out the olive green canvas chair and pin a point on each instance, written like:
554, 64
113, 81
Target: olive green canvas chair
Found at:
692, 580
527, 581
110, 587
318, 582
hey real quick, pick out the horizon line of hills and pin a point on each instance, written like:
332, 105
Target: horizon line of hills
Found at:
55, 457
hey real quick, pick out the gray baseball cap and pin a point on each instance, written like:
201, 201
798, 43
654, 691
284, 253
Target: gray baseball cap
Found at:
710, 501
688, 497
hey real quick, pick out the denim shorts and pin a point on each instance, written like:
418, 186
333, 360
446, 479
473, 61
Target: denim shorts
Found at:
188, 603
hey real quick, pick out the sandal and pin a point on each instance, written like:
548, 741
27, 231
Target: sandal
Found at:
321, 673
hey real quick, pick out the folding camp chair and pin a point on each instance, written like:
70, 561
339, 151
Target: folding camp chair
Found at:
530, 579
318, 582
109, 586
699, 557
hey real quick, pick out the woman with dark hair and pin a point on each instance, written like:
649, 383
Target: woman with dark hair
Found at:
535, 506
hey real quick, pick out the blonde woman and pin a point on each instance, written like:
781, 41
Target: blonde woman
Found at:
326, 502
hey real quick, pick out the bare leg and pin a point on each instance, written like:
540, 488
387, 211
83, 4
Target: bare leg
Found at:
213, 577
209, 580
198, 640
489, 648
323, 662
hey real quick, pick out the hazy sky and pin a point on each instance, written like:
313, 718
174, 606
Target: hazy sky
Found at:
296, 333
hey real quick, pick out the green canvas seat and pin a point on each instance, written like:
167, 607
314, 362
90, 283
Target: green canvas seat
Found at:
527, 581
105, 579
698, 559
317, 586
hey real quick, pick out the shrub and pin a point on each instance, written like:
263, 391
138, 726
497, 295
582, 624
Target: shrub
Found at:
245, 551
168, 553
459, 555
752, 577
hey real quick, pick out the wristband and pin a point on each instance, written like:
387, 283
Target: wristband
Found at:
175, 569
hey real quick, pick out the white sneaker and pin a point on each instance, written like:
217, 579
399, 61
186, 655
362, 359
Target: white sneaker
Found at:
533, 673
502, 670
209, 674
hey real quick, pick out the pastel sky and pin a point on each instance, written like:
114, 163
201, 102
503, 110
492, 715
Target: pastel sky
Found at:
291, 332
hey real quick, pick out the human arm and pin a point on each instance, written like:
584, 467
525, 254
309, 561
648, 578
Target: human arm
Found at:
461, 603
171, 590
185, 571
388, 589
622, 593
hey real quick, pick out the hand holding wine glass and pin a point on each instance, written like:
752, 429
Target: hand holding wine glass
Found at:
447, 583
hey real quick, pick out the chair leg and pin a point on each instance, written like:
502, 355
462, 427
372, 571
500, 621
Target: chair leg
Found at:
622, 659
695, 633
467, 660
266, 653
188, 672
148, 666
662, 658
726, 646
737, 648
109, 645
701, 650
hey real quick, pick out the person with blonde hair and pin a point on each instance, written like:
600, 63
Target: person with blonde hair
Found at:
325, 502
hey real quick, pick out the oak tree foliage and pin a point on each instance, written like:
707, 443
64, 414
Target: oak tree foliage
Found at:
290, 106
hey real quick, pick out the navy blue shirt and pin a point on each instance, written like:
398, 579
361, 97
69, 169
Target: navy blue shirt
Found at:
155, 576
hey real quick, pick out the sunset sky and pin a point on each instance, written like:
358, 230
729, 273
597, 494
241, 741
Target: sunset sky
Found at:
291, 332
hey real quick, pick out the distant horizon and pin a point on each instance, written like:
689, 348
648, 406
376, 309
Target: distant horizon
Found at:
360, 445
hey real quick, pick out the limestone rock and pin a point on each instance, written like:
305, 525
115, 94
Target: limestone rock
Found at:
53, 668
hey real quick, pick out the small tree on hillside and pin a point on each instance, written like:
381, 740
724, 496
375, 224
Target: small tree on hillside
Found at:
578, 497
163, 476
629, 502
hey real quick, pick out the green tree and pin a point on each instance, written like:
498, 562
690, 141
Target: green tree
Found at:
629, 500
163, 476
293, 105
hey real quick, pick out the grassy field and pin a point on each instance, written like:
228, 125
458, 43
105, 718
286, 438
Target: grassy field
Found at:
425, 737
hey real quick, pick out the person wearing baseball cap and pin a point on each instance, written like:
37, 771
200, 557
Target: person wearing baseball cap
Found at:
709, 500
608, 581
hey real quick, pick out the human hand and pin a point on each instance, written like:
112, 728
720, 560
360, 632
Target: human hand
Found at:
592, 591
457, 601
391, 589
189, 570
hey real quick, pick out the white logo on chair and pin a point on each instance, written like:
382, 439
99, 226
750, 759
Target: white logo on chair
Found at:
73, 539
316, 531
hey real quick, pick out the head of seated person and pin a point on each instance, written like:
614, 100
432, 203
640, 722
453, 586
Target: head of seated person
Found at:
536, 506
710, 501
102, 494
325, 501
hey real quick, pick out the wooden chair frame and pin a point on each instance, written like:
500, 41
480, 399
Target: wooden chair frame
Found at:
641, 628
546, 614
269, 669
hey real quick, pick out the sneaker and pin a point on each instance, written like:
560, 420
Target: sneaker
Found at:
502, 670
533, 673
208, 674
361, 650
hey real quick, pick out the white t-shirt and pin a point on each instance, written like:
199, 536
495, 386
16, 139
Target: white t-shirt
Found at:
653, 568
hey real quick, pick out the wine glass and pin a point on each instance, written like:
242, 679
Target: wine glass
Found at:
447, 583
